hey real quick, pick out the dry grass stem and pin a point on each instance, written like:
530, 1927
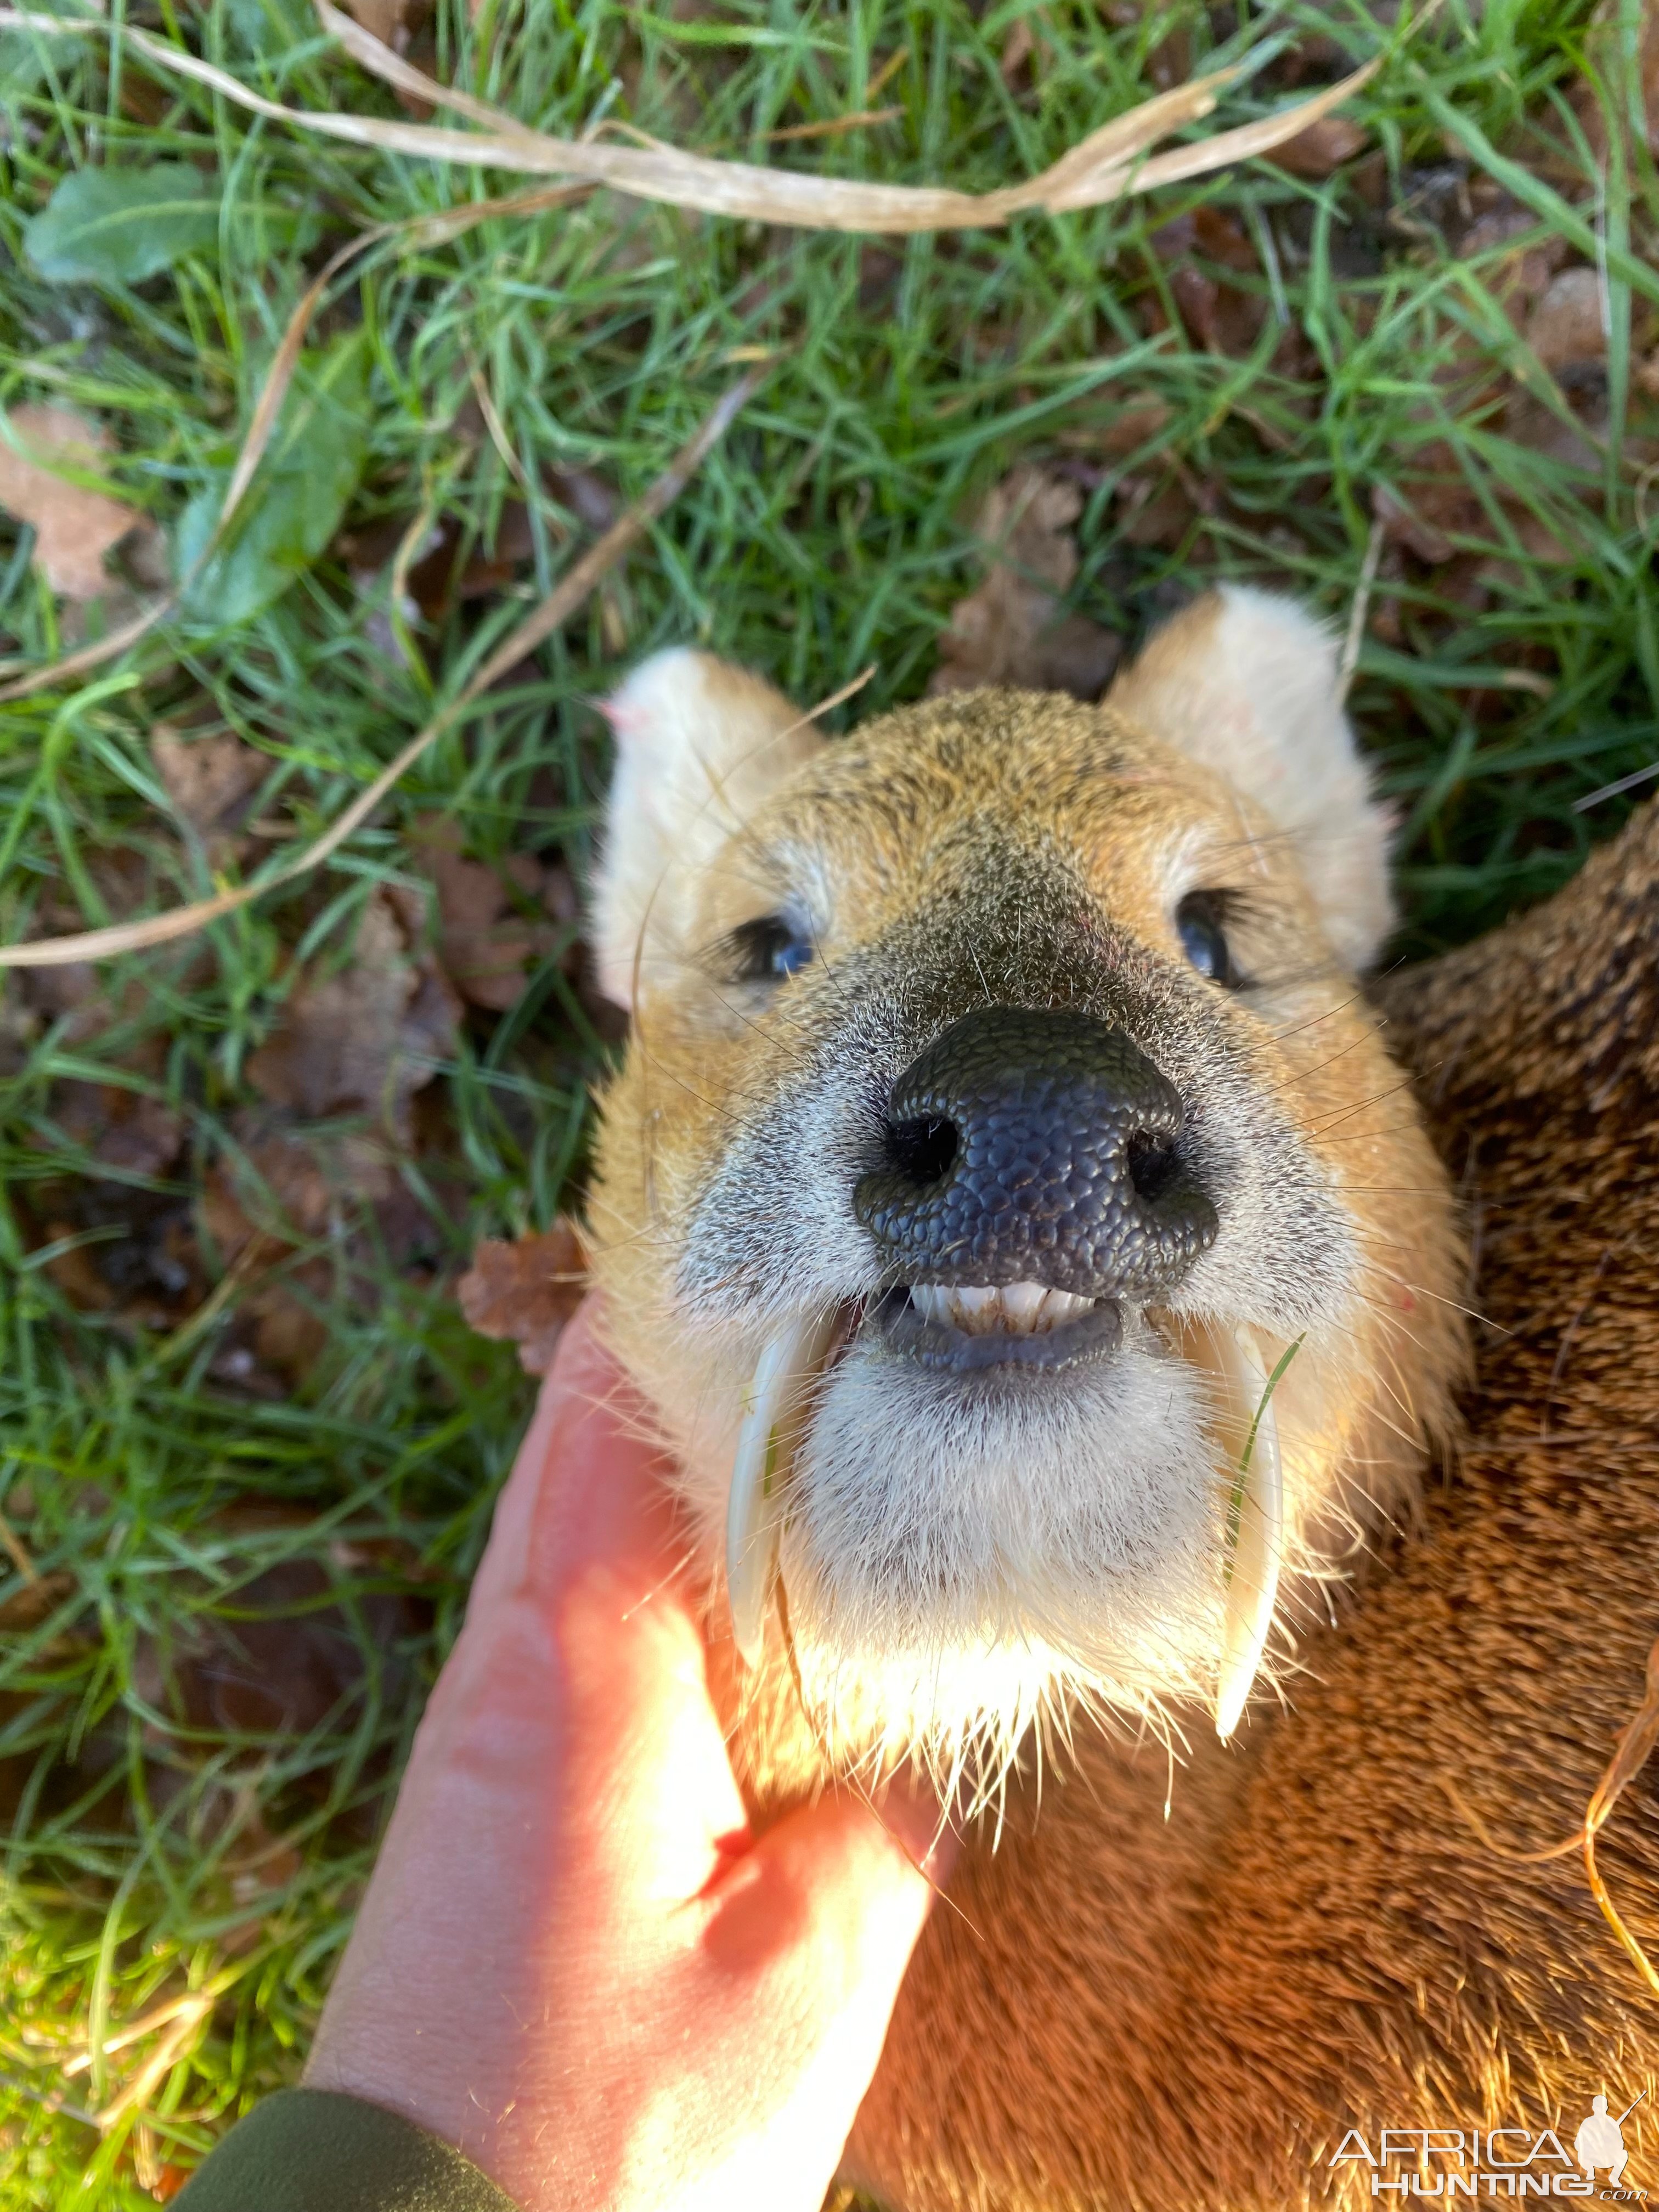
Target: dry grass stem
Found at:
1631, 1753
863, 118
1104, 167
190, 2003
175, 2045
1361, 607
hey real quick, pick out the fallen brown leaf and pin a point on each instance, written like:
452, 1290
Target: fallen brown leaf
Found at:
75, 994
304, 1182
384, 20
74, 525
592, 498
1516, 279
1011, 630
207, 778
485, 941
1118, 428
404, 27
75, 1272
437, 576
1221, 317
121, 1125
285, 1186
1405, 526
1529, 422
1430, 504
297, 1648
1016, 48
31, 1603
560, 896
1170, 61
289, 1336
523, 1292
1323, 146
142, 1136
1607, 33
366, 1037
1154, 513
131, 1253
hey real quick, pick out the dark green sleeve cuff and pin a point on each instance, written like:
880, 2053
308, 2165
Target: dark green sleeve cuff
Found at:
308, 2150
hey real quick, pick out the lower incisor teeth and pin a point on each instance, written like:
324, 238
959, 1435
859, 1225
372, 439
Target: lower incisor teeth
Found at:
1023, 1304
1016, 1309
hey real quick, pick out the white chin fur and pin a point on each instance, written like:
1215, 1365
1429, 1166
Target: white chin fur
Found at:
958, 1548
936, 1514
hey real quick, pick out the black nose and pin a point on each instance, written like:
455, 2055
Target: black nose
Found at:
1028, 1146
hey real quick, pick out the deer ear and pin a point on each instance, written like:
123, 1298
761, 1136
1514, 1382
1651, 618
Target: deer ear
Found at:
700, 744
1248, 685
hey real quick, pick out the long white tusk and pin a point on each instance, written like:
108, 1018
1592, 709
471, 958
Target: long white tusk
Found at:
773, 1406
1258, 1545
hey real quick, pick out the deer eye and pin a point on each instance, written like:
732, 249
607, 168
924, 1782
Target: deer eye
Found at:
1198, 922
766, 950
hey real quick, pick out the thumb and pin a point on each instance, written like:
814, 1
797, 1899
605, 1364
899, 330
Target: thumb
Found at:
803, 1945
810, 1937
820, 1916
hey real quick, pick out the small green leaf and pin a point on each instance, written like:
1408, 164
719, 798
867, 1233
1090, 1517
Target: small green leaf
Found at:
118, 226
293, 506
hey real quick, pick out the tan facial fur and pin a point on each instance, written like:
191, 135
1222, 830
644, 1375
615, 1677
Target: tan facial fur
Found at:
962, 1553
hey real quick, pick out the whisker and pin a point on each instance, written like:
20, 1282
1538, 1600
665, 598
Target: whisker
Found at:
1281, 1036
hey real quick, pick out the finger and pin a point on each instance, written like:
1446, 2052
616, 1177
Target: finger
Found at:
828, 1875
813, 1933
582, 1648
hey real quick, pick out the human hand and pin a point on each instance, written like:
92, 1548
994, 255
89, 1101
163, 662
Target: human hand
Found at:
574, 1960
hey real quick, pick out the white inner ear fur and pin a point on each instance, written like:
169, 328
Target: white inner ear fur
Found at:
699, 744
1248, 685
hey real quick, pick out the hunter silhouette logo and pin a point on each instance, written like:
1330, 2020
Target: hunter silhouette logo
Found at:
1599, 2140
1450, 2163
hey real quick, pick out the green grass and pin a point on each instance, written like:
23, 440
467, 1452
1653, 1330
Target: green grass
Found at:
156, 1840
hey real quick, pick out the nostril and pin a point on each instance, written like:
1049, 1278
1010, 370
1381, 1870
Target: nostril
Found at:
1153, 1162
923, 1148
